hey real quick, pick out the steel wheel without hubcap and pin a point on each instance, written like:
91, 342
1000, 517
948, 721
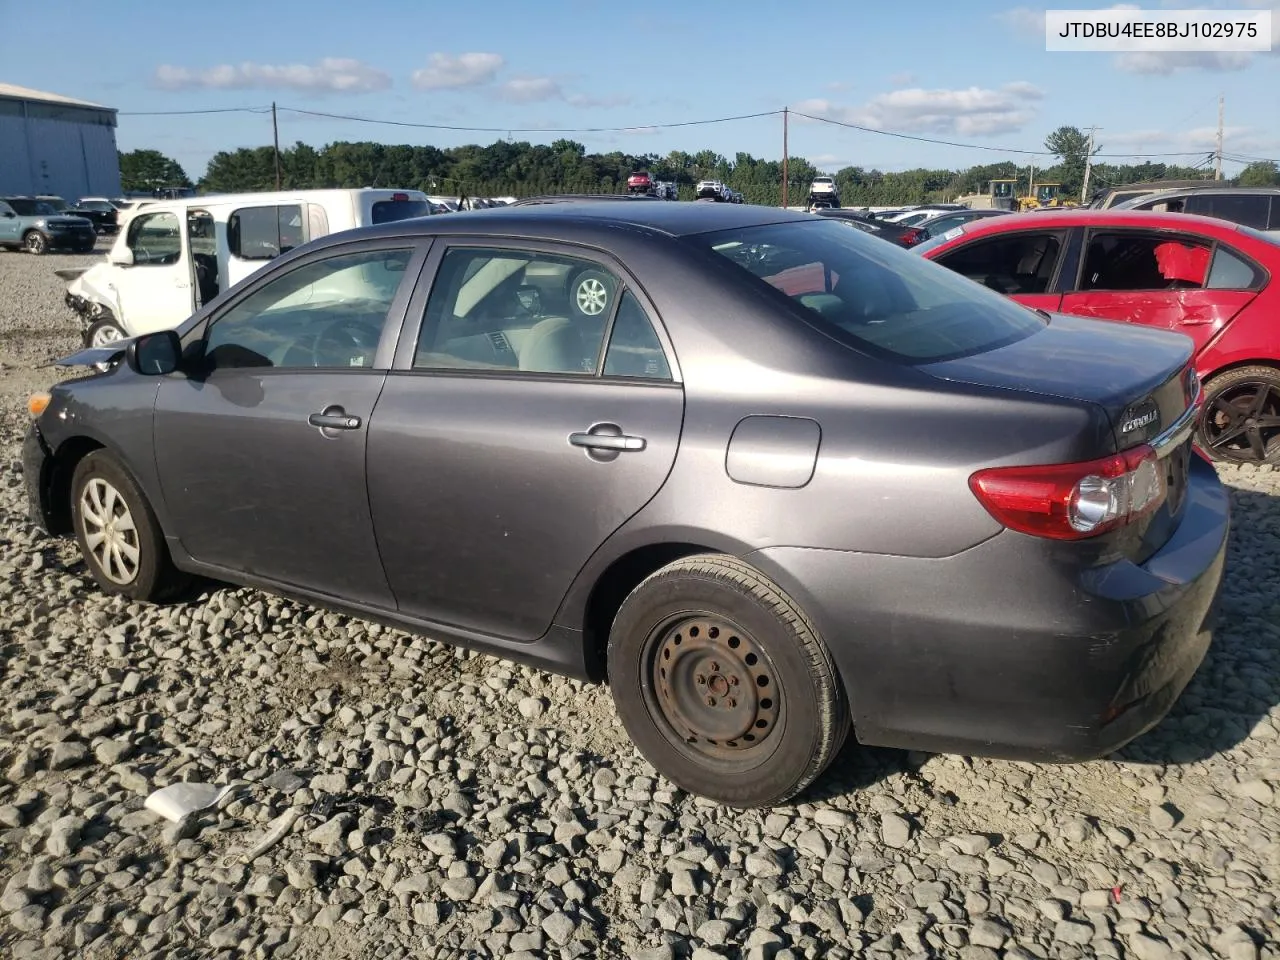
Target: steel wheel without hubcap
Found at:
715, 688
1242, 423
109, 531
592, 296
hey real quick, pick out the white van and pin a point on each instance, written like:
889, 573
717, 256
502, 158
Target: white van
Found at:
174, 256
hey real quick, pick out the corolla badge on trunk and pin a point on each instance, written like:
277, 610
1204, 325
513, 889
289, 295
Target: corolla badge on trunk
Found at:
1139, 416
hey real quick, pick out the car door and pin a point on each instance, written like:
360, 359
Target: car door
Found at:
1160, 279
10, 225
154, 291
261, 448
508, 445
1022, 264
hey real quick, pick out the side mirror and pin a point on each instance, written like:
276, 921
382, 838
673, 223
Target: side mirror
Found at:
9, 214
122, 258
154, 354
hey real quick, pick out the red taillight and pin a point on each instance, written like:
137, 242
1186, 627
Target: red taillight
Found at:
911, 237
399, 196
1071, 501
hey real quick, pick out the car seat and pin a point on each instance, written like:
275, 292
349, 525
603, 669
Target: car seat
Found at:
553, 345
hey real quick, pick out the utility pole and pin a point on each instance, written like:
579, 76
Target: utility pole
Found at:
1088, 167
1217, 162
785, 155
275, 139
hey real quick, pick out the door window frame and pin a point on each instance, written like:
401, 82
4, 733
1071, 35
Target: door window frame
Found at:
135, 227
194, 336
1166, 233
1065, 239
407, 347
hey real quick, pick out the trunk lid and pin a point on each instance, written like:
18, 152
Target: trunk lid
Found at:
1140, 376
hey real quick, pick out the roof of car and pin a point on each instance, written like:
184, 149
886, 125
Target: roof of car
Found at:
1088, 216
673, 219
1209, 191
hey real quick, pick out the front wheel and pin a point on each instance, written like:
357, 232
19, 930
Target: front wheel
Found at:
119, 536
1241, 418
723, 684
103, 331
35, 242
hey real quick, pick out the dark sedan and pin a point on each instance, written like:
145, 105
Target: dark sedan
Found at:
772, 478
896, 233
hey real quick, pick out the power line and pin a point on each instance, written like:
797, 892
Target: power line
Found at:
189, 113
981, 146
508, 130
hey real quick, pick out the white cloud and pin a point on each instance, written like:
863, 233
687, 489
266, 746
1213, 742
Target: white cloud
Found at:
1235, 139
971, 112
1165, 63
330, 75
543, 89
447, 71
530, 90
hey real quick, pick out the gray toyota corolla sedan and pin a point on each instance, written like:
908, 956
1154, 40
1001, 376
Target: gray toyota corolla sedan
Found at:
774, 479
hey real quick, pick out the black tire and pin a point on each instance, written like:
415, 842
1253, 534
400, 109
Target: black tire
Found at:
591, 294
736, 636
1241, 419
153, 576
103, 328
35, 242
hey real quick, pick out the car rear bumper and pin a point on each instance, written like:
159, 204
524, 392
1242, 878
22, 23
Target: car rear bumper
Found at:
35, 459
1012, 648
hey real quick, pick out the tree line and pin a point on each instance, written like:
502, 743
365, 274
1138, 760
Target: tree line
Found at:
520, 168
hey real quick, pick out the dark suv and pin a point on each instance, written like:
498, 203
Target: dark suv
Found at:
35, 226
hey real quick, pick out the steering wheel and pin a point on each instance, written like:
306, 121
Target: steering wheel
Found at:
348, 338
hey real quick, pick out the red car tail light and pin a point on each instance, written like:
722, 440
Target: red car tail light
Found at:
1072, 501
911, 237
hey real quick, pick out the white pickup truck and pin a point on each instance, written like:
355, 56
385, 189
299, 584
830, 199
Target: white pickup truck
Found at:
174, 256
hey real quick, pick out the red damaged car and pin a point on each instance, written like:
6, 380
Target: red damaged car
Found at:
1213, 280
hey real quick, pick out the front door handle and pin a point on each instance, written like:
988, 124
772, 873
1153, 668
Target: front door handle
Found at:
606, 441
334, 418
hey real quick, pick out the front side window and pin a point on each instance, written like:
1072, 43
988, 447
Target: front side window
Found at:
263, 233
1016, 263
1133, 261
324, 314
155, 239
516, 310
871, 295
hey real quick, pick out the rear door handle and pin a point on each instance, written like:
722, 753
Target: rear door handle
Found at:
334, 418
606, 441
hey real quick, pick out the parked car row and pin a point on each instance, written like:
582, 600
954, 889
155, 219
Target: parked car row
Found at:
744, 551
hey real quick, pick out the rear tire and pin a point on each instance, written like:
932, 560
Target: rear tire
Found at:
119, 536
1241, 418
723, 684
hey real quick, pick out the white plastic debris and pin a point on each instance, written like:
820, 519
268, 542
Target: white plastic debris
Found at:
179, 800
277, 830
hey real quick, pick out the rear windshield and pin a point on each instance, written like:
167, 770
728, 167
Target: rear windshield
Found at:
385, 211
871, 294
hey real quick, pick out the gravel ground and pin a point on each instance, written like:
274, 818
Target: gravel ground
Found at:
454, 805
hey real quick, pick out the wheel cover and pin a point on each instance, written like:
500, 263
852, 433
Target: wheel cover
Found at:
109, 531
107, 333
1242, 424
593, 296
714, 686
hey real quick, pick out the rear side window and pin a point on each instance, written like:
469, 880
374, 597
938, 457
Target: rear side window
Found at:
1009, 264
872, 295
1230, 272
634, 349
385, 211
263, 233
1252, 210
1133, 261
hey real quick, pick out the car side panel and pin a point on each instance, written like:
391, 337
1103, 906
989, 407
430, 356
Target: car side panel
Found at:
1200, 314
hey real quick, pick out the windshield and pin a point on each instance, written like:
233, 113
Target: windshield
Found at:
872, 295
385, 211
55, 204
96, 205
